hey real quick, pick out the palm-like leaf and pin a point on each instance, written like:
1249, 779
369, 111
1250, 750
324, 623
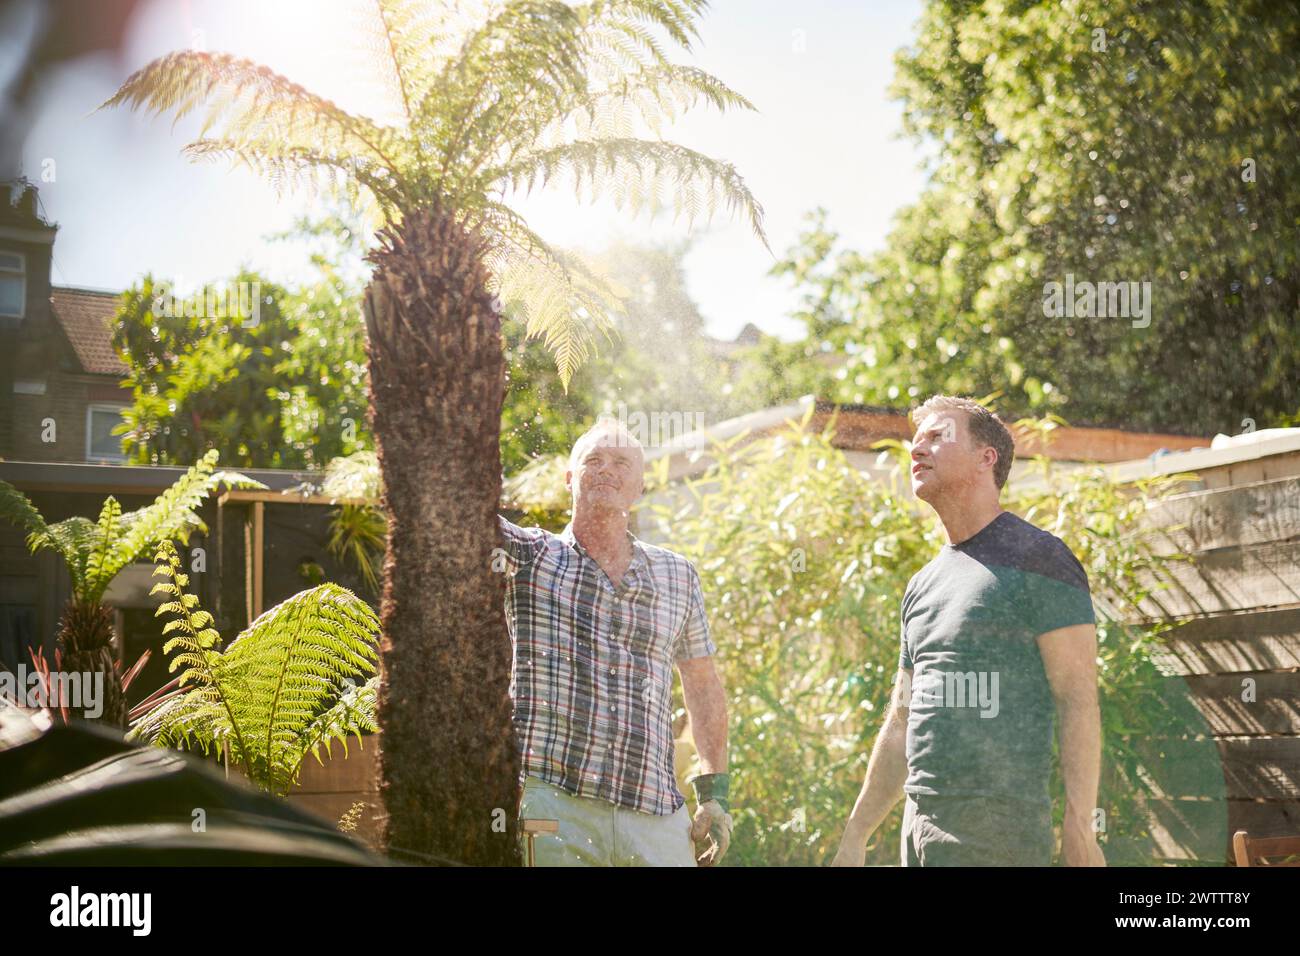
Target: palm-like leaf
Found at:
282, 689
488, 98
352, 713
95, 551
17, 509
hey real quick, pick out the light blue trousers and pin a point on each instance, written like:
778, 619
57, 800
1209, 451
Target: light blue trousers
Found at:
599, 833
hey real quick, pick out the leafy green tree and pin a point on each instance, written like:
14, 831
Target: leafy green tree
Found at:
493, 101
1108, 141
324, 384
283, 387
203, 376
1126, 142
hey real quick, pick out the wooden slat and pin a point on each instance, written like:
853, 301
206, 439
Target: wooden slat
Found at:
281, 498
1264, 468
1274, 710
1242, 515
1202, 829
259, 548
1230, 579
330, 790
1234, 768
1229, 643
248, 569
358, 772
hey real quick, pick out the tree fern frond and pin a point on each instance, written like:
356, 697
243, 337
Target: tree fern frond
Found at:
301, 168
511, 76
625, 169
198, 715
409, 40
676, 17
285, 685
656, 95
616, 49
74, 540
561, 299
172, 513
248, 103
17, 509
98, 566
350, 715
280, 672
191, 720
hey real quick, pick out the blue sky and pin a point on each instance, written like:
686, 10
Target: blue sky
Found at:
826, 134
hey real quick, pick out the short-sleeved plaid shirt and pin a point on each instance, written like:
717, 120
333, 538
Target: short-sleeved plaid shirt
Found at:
593, 664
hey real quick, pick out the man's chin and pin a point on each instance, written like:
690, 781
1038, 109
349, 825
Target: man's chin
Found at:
605, 503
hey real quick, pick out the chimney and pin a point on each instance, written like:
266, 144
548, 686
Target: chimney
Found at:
27, 201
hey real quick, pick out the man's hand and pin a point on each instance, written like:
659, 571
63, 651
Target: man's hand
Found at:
853, 848
1079, 844
711, 827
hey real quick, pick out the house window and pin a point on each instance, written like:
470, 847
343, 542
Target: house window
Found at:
101, 443
13, 284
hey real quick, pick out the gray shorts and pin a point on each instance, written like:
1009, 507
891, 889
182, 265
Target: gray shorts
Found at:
975, 831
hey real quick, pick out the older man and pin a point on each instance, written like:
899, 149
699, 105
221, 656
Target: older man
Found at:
997, 637
598, 619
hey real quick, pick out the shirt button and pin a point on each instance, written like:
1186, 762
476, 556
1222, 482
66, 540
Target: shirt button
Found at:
613, 708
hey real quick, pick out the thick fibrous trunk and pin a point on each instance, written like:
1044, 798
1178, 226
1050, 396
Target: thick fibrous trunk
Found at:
86, 636
449, 766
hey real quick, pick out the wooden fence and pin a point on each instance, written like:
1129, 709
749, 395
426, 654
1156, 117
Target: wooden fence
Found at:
1235, 649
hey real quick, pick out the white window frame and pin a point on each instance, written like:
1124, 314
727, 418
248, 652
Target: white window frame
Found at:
93, 407
21, 272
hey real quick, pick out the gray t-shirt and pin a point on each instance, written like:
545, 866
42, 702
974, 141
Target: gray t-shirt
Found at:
980, 718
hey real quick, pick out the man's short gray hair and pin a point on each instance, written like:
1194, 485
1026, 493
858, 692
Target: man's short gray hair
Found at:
604, 424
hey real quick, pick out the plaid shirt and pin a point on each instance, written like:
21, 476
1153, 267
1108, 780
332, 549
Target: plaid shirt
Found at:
593, 664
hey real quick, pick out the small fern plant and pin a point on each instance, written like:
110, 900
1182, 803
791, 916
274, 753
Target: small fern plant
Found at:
300, 677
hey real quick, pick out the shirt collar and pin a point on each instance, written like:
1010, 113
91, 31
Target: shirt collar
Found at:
638, 553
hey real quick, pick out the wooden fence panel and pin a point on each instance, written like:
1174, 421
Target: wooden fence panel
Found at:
1264, 640
1232, 517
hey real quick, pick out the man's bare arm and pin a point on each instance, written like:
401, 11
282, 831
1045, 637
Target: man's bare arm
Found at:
1070, 660
886, 774
706, 708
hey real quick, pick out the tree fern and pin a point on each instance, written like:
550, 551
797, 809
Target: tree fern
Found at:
486, 98
285, 687
95, 551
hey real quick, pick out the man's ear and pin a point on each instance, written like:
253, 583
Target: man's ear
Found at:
990, 458
568, 480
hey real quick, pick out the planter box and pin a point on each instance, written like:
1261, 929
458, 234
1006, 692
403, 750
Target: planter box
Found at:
328, 791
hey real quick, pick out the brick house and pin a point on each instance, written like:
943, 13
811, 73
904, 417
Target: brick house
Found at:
59, 376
